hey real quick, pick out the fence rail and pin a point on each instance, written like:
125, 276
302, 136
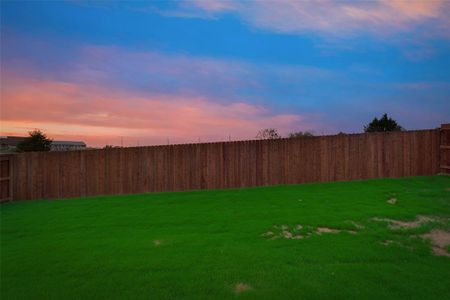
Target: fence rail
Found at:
226, 164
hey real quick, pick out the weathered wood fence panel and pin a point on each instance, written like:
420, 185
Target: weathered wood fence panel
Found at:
445, 148
6, 165
227, 164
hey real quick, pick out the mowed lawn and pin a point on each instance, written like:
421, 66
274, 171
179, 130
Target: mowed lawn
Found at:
317, 241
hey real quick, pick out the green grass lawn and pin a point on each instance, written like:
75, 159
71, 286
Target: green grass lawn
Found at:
258, 243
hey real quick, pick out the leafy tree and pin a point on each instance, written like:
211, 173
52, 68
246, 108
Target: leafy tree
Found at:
300, 134
37, 141
268, 134
382, 125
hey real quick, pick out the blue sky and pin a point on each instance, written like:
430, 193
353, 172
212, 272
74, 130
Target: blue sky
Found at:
148, 72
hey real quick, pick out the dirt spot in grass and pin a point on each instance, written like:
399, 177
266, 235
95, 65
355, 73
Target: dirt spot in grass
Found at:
287, 234
321, 230
396, 224
297, 237
294, 232
440, 239
284, 232
157, 243
242, 287
392, 200
440, 252
387, 242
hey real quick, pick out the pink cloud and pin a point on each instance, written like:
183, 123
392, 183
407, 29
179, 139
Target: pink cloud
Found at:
101, 115
336, 17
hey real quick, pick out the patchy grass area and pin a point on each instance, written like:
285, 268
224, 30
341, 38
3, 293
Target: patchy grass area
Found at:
337, 240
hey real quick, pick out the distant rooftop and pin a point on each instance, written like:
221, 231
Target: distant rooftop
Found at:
73, 143
13, 141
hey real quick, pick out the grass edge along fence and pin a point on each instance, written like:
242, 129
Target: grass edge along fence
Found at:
50, 175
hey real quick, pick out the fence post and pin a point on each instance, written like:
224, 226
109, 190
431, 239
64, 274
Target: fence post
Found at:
444, 148
6, 177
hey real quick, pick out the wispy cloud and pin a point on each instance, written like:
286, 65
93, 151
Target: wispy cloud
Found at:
330, 18
382, 17
220, 79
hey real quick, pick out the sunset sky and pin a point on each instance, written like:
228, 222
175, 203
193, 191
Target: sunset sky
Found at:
151, 72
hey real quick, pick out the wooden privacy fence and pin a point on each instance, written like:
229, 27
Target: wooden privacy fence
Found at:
226, 164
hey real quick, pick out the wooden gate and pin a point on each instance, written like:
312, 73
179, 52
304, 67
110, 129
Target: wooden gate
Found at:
6, 184
445, 148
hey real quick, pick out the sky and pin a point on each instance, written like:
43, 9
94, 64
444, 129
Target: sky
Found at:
156, 72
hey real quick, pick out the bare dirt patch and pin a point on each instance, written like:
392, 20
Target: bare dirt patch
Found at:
242, 287
294, 232
321, 230
157, 243
387, 242
440, 239
392, 200
396, 224
287, 234
283, 231
440, 252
